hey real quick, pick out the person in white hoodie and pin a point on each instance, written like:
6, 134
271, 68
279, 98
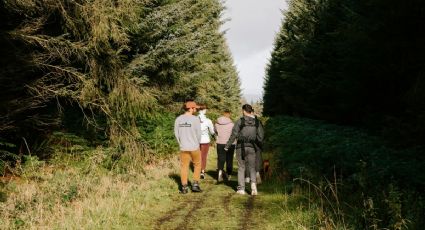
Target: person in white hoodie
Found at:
207, 129
223, 129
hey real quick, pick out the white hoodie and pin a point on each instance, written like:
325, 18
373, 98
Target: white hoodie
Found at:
207, 127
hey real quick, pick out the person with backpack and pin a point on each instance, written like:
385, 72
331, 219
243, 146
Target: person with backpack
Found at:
249, 134
187, 129
258, 160
207, 129
223, 128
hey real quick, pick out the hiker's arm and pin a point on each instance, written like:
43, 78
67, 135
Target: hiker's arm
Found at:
211, 127
234, 135
197, 125
176, 131
260, 132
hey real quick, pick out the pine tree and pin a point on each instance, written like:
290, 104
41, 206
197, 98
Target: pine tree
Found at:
109, 66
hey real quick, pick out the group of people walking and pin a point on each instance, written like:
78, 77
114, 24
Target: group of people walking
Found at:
193, 133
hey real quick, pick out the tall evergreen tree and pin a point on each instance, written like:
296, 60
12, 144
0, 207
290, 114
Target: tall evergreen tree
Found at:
108, 65
352, 62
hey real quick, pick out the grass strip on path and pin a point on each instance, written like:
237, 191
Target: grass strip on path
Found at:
71, 197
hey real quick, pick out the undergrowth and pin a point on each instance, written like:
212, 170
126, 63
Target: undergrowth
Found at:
359, 179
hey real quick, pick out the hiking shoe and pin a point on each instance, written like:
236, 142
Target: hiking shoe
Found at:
254, 189
227, 177
241, 192
185, 189
202, 174
195, 187
247, 179
258, 178
220, 176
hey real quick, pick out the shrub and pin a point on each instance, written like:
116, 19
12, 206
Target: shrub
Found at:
368, 170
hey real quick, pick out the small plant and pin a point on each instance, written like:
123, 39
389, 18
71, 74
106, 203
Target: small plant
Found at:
31, 167
70, 194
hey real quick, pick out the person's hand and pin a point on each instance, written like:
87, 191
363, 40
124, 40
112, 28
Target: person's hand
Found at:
226, 149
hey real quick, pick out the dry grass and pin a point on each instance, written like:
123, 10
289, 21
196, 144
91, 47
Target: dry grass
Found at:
73, 198
67, 194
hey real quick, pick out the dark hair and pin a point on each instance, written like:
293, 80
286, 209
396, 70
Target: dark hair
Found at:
202, 106
247, 108
227, 111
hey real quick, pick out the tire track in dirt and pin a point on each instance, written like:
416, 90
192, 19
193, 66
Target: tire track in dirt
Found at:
226, 203
247, 216
169, 215
196, 204
191, 201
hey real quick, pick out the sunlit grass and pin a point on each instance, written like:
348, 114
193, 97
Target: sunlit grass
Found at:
70, 197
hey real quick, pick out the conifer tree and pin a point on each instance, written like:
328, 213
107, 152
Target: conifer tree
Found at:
109, 66
350, 62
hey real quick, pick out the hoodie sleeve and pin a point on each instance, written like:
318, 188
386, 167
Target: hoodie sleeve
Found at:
211, 127
234, 135
197, 124
260, 132
176, 130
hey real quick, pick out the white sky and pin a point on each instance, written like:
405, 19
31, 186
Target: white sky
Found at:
250, 35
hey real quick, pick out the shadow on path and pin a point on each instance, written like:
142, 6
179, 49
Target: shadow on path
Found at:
233, 183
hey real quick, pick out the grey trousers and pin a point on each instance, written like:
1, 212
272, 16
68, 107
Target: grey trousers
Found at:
249, 163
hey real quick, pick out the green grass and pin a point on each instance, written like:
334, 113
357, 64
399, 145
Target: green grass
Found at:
75, 194
77, 191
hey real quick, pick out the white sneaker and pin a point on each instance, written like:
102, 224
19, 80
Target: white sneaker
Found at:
220, 176
258, 178
254, 189
241, 192
247, 179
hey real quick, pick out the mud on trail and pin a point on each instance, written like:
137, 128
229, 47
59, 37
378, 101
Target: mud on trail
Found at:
217, 207
246, 219
220, 207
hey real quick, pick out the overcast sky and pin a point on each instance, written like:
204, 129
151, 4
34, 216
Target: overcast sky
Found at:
250, 35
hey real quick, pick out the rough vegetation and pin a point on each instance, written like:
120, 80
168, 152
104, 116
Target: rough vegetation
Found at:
108, 72
358, 64
359, 179
351, 62
89, 90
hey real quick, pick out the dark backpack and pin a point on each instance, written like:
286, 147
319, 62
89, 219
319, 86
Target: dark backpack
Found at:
256, 142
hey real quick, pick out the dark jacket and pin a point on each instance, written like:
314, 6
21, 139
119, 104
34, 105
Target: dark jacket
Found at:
248, 135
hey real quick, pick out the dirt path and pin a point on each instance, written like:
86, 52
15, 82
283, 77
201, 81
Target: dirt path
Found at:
220, 207
147, 201
246, 220
217, 207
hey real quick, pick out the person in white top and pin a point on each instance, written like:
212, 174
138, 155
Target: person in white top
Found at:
207, 129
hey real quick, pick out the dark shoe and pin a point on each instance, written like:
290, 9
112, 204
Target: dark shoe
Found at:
185, 189
195, 187
202, 175
226, 176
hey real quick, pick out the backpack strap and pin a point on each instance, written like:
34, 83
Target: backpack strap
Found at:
242, 124
257, 124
